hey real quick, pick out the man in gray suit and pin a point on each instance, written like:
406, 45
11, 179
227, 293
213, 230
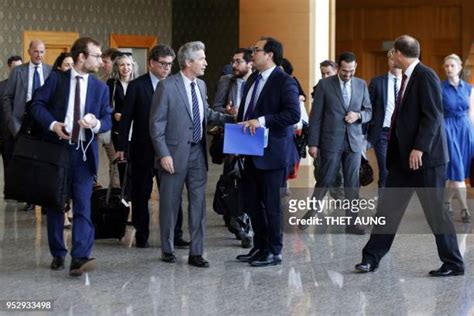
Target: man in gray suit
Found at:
22, 84
341, 105
230, 87
178, 120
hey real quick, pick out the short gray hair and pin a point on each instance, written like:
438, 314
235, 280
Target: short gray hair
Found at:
188, 52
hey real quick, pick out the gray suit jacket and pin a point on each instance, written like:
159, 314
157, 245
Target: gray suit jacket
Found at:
171, 124
226, 91
327, 127
14, 98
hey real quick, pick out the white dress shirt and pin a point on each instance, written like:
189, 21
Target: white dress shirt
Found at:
187, 85
31, 71
408, 73
391, 98
68, 120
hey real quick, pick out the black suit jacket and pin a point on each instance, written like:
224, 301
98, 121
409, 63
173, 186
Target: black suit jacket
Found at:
117, 100
3, 123
378, 99
136, 108
419, 122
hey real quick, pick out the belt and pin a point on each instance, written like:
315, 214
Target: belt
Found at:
385, 129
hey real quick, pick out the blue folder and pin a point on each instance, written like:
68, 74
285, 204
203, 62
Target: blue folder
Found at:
238, 143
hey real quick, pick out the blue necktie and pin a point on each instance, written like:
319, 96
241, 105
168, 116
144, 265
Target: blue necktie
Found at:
252, 99
196, 116
36, 81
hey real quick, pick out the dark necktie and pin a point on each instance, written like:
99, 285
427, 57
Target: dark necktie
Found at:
397, 104
395, 89
196, 116
251, 106
36, 81
77, 111
242, 86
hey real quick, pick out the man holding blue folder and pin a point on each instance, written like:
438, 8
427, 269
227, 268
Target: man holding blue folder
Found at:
270, 100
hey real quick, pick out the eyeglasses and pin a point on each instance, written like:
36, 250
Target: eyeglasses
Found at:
96, 56
163, 64
237, 61
256, 49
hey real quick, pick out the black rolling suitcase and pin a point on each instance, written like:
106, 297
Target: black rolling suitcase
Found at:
110, 211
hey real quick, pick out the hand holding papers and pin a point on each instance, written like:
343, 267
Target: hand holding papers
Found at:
240, 143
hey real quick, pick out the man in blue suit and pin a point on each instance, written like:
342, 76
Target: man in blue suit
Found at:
270, 100
383, 91
71, 108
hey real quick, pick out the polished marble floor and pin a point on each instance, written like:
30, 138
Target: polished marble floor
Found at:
316, 277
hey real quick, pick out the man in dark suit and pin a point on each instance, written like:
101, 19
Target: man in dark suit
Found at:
178, 121
71, 108
416, 161
383, 91
230, 87
23, 81
142, 156
341, 105
270, 100
12, 62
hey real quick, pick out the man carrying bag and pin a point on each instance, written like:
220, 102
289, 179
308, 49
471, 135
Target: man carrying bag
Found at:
71, 112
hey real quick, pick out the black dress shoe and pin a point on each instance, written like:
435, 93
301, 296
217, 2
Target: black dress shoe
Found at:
181, 243
364, 267
168, 257
57, 264
266, 259
355, 230
252, 255
81, 265
445, 272
142, 245
198, 261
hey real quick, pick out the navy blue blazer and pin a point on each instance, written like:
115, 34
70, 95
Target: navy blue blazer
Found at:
279, 104
50, 104
378, 98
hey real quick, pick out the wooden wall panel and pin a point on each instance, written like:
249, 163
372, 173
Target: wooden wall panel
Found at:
286, 20
365, 26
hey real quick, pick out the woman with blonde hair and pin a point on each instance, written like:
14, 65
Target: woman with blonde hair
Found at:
123, 71
459, 121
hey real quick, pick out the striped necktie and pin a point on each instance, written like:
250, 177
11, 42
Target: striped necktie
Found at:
196, 116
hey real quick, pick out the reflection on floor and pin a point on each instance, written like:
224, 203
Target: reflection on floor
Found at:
316, 276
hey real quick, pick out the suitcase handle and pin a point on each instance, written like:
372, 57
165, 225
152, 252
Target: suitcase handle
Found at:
124, 181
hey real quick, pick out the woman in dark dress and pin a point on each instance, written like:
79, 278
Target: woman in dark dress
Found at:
123, 71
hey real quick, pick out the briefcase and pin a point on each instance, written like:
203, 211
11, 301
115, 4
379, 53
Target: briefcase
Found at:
38, 173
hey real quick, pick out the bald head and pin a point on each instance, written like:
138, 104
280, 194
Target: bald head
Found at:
36, 51
408, 46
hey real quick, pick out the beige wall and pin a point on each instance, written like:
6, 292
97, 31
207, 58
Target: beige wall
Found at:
286, 20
